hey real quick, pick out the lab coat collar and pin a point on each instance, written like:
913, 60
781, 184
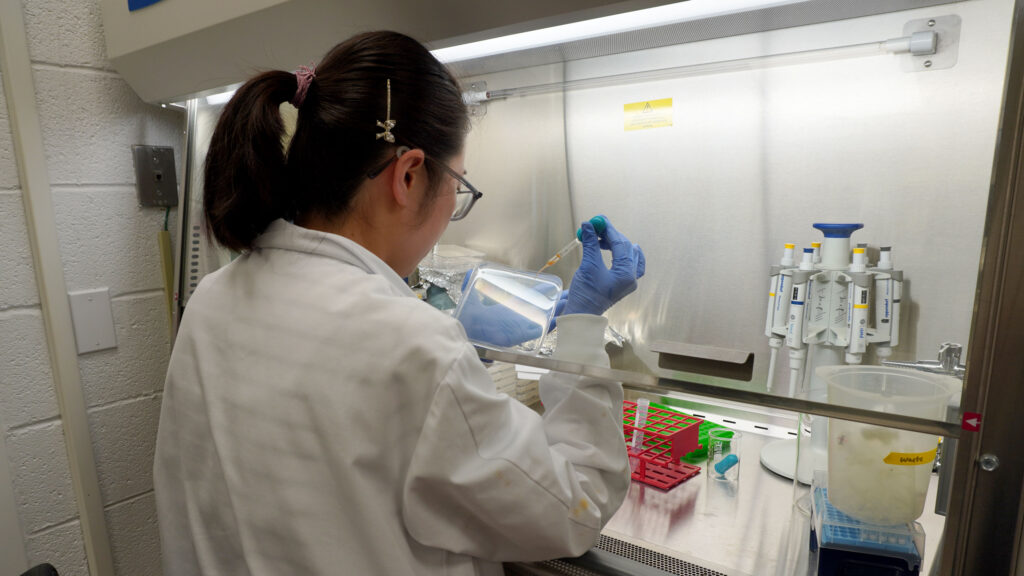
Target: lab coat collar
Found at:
284, 235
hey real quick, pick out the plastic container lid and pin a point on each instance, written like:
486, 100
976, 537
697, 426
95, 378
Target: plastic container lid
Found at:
838, 230
508, 309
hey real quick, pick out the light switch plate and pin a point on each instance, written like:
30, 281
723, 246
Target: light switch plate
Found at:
155, 176
93, 320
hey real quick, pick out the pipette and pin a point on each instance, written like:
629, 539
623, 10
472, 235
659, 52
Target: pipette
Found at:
599, 227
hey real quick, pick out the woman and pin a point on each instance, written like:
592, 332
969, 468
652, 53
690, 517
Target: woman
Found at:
319, 419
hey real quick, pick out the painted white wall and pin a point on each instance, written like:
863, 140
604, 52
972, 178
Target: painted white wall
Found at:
12, 546
90, 118
36, 457
17, 266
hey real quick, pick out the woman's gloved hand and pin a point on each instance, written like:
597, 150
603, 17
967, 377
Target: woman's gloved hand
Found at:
559, 309
594, 287
488, 322
494, 324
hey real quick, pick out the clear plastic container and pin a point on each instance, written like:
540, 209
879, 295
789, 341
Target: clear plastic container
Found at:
876, 474
724, 447
508, 309
446, 266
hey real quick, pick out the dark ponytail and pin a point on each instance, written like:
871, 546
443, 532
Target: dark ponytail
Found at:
250, 180
245, 164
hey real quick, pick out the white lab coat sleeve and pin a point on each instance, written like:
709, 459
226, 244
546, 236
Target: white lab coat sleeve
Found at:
492, 479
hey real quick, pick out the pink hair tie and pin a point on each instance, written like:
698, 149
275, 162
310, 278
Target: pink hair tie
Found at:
304, 77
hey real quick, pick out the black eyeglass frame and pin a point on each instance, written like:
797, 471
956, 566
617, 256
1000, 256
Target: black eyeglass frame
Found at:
459, 215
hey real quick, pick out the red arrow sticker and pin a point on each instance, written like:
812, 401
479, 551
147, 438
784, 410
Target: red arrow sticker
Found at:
971, 421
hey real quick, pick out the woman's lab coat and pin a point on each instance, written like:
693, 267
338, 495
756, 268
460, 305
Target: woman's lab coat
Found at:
319, 419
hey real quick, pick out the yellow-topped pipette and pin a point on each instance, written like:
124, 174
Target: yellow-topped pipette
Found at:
599, 227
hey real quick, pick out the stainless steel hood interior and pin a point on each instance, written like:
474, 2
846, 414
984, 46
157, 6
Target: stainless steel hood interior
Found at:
172, 50
773, 16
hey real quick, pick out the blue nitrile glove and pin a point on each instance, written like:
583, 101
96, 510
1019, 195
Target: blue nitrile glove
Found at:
594, 287
559, 308
495, 324
488, 322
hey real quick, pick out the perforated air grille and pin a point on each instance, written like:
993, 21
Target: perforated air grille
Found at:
620, 548
549, 568
652, 558
194, 244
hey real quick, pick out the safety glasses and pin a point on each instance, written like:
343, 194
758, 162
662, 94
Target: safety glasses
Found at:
465, 197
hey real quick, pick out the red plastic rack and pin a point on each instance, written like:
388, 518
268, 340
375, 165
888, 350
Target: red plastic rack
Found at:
668, 436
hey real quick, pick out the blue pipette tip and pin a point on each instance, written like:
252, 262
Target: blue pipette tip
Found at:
726, 463
599, 226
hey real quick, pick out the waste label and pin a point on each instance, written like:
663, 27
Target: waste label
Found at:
910, 458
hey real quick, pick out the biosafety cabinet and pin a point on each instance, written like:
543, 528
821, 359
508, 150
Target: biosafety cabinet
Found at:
816, 186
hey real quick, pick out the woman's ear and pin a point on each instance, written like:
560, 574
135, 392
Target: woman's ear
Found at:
409, 173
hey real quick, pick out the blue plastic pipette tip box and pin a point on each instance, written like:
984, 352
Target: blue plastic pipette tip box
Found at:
837, 530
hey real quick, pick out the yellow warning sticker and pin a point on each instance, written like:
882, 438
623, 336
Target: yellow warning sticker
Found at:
910, 458
649, 114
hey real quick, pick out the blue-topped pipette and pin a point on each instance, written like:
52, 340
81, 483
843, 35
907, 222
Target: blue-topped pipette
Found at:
599, 227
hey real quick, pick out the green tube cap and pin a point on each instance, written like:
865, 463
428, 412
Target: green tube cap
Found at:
599, 227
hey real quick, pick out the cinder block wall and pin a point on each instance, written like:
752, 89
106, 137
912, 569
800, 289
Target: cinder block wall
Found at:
90, 118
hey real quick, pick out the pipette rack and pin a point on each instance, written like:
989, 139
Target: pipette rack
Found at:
667, 436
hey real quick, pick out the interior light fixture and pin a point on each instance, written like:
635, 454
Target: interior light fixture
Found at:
221, 98
625, 22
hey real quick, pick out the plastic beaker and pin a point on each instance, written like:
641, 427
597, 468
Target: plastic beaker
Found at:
876, 474
724, 455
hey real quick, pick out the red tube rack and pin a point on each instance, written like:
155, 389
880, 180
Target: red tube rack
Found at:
668, 435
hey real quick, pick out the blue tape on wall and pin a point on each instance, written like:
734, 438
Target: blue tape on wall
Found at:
134, 5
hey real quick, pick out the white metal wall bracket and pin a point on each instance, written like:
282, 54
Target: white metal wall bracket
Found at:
947, 31
475, 98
